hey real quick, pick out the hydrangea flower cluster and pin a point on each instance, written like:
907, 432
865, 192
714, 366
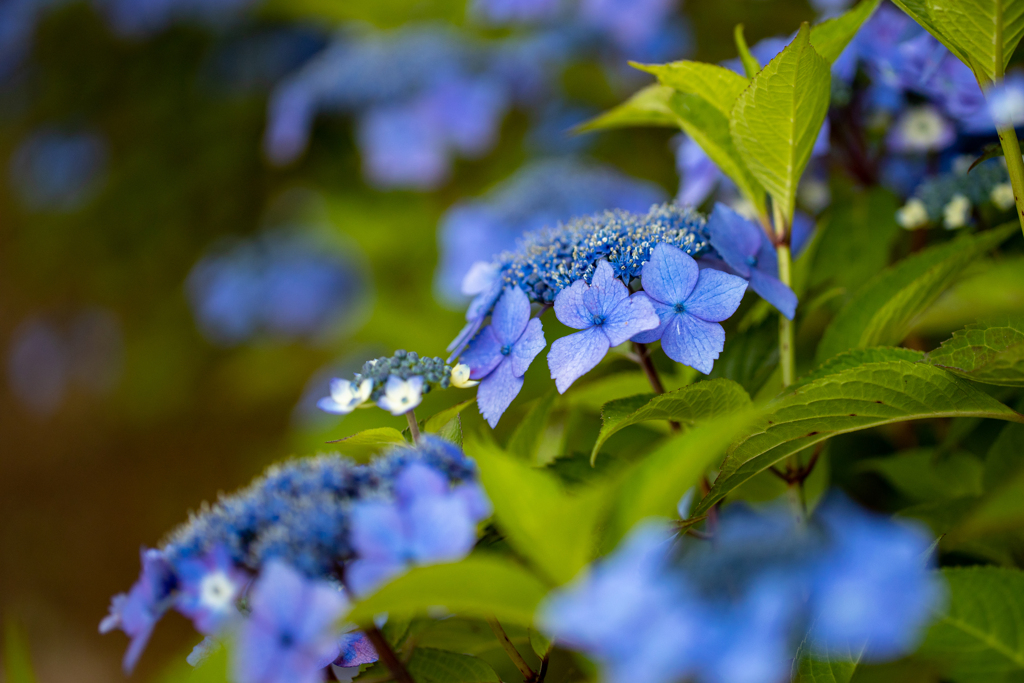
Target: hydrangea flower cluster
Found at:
314, 532
949, 199
662, 608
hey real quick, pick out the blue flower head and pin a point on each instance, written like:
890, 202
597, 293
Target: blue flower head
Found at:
210, 587
690, 303
500, 355
607, 316
746, 250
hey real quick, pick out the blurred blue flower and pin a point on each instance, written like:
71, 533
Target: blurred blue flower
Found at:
690, 303
1006, 101
607, 316
427, 522
631, 24
142, 18
502, 12
292, 632
921, 129
745, 249
500, 355
58, 171
698, 173
209, 587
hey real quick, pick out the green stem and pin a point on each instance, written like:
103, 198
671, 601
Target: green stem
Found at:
1015, 167
786, 355
414, 427
511, 651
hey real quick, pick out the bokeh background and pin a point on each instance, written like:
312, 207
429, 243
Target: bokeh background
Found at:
210, 207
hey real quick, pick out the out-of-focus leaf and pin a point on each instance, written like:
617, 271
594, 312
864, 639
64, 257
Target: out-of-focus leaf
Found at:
480, 586
750, 355
440, 421
1005, 456
750, 64
855, 238
647, 107
859, 398
857, 357
988, 289
927, 475
776, 120
1001, 510
686, 406
813, 666
882, 313
527, 437
717, 85
831, 37
539, 643
980, 635
991, 352
17, 665
365, 444
430, 665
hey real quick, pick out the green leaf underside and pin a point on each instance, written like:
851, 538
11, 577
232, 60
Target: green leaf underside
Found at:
980, 636
709, 128
883, 311
982, 33
992, 353
750, 64
717, 85
430, 665
526, 438
369, 442
867, 396
647, 107
480, 585
830, 37
686, 406
855, 358
776, 120
554, 530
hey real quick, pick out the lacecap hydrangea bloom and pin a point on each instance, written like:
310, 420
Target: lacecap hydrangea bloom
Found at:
285, 547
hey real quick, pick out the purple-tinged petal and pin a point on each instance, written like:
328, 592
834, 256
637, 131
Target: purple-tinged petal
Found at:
526, 349
482, 303
416, 480
356, 649
606, 291
716, 296
767, 259
664, 313
694, 342
324, 605
138, 643
736, 239
575, 355
465, 334
441, 530
377, 530
670, 275
483, 354
278, 592
497, 391
364, 576
473, 495
570, 309
510, 316
774, 292
630, 317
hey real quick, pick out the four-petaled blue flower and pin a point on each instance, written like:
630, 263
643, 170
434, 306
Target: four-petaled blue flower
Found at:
292, 633
209, 588
746, 249
500, 355
690, 303
428, 522
607, 316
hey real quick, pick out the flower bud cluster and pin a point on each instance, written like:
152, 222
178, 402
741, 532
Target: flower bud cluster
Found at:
950, 198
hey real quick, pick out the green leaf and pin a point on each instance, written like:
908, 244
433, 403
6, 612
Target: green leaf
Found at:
647, 107
539, 643
686, 406
654, 487
717, 85
750, 64
438, 422
527, 437
554, 530
883, 312
982, 33
926, 475
365, 444
17, 665
834, 666
480, 585
776, 120
992, 353
1005, 456
831, 37
980, 637
1001, 510
863, 397
855, 358
430, 665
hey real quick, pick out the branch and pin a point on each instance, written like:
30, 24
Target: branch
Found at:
528, 675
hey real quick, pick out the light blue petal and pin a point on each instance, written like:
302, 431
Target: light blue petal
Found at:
575, 355
664, 313
377, 530
442, 530
774, 292
483, 354
670, 275
510, 316
416, 480
364, 576
632, 316
694, 342
526, 349
767, 257
465, 334
605, 293
734, 237
329, 405
570, 309
497, 391
716, 296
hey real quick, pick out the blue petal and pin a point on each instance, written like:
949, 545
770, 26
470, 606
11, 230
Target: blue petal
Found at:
510, 316
278, 594
670, 275
664, 313
483, 354
605, 293
441, 530
573, 356
363, 576
570, 309
417, 480
465, 334
329, 405
356, 649
633, 316
377, 530
694, 342
716, 296
774, 292
324, 604
497, 391
767, 258
734, 237
526, 349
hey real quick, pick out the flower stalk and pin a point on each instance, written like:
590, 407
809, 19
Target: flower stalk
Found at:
506, 643
387, 655
414, 426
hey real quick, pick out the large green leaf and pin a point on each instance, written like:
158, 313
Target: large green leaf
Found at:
685, 406
831, 37
1001, 510
554, 530
647, 107
980, 636
855, 358
927, 475
834, 666
17, 666
859, 398
992, 352
430, 665
367, 443
883, 312
480, 585
716, 84
527, 437
439, 422
982, 33
776, 120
